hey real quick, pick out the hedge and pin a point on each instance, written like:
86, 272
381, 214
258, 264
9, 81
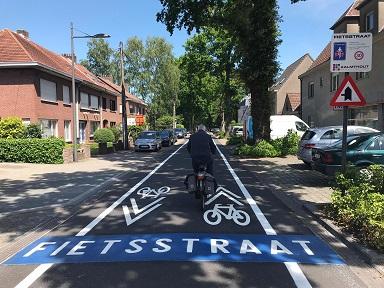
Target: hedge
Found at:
104, 135
49, 151
358, 204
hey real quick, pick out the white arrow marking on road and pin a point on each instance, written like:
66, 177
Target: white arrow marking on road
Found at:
136, 210
225, 192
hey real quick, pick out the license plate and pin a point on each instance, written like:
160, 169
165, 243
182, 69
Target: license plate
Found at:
317, 156
144, 146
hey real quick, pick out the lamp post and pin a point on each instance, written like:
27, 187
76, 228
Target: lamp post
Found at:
75, 101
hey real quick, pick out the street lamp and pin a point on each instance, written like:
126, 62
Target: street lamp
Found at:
74, 98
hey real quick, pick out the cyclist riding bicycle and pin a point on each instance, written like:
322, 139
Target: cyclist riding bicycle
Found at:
201, 148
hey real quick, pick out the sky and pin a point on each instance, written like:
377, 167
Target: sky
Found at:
305, 25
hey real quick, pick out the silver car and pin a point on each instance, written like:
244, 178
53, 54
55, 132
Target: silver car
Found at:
148, 141
323, 137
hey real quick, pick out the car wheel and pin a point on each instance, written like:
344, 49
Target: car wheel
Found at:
308, 164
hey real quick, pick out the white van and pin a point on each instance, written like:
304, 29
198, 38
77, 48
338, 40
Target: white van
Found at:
281, 124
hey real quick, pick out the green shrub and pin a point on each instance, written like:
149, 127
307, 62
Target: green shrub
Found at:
234, 140
358, 204
49, 151
261, 149
103, 135
134, 131
221, 135
116, 133
33, 131
288, 145
12, 127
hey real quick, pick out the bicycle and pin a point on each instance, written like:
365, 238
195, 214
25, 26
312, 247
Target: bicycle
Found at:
214, 215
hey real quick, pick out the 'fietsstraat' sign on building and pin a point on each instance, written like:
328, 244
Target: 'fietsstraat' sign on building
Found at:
351, 52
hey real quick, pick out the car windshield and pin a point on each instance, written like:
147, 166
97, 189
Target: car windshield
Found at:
164, 133
353, 142
178, 130
147, 135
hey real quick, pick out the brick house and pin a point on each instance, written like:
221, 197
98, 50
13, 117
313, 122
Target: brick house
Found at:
35, 85
319, 85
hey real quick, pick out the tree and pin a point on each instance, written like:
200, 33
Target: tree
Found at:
253, 26
99, 57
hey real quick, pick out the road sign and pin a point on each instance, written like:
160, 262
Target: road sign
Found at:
348, 94
351, 52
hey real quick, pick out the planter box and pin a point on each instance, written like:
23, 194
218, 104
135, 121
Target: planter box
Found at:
83, 152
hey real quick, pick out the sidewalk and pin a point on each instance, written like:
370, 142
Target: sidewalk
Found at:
34, 186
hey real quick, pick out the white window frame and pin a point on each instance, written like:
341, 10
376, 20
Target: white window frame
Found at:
82, 102
92, 127
26, 121
92, 104
335, 86
66, 95
52, 128
48, 91
67, 131
368, 18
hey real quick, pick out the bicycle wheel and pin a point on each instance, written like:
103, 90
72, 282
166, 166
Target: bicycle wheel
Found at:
242, 218
212, 217
163, 190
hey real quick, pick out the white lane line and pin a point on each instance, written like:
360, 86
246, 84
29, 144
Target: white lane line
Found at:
102, 215
260, 216
34, 275
293, 268
42, 268
297, 275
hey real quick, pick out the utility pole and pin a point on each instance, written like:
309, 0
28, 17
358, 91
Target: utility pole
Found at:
75, 107
123, 100
174, 113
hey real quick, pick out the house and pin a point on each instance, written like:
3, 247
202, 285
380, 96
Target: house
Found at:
319, 85
35, 85
287, 86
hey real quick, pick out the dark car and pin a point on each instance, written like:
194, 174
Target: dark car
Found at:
362, 150
180, 133
167, 137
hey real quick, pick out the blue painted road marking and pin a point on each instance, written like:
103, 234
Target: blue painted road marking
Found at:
177, 247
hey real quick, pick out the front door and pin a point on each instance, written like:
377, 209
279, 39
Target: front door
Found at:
82, 131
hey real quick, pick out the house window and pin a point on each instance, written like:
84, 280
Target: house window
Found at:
112, 124
66, 97
26, 121
67, 130
335, 81
112, 104
361, 75
321, 81
48, 127
131, 109
369, 21
48, 90
311, 89
104, 103
84, 100
94, 126
94, 102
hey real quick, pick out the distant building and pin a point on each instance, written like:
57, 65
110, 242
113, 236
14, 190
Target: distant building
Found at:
35, 85
287, 87
319, 85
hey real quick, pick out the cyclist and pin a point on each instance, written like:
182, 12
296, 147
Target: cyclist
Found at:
201, 148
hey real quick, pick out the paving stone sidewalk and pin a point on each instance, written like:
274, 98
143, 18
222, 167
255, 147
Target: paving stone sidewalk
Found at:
290, 176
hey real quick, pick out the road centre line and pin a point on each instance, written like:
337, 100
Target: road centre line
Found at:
42, 268
293, 268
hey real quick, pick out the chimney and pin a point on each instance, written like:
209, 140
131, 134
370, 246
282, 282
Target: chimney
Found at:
23, 33
68, 56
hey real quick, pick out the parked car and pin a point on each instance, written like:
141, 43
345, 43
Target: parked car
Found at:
167, 137
281, 124
362, 150
180, 133
148, 141
215, 131
237, 131
323, 137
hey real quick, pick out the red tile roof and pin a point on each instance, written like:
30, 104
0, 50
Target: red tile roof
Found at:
324, 56
294, 100
352, 11
15, 48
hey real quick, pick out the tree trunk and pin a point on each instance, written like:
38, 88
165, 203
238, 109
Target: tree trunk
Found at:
260, 112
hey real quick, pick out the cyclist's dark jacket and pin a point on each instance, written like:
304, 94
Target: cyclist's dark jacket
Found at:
201, 146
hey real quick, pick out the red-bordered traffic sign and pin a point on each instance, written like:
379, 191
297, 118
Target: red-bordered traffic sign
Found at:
348, 94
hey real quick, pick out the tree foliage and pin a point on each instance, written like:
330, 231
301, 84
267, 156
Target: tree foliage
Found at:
253, 26
99, 57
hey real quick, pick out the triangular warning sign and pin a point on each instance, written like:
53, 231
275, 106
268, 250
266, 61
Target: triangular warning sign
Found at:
348, 94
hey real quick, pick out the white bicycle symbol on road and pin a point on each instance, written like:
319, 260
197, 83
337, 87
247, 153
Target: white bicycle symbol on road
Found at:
148, 192
214, 215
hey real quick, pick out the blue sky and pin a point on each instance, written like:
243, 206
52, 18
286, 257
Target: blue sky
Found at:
305, 26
